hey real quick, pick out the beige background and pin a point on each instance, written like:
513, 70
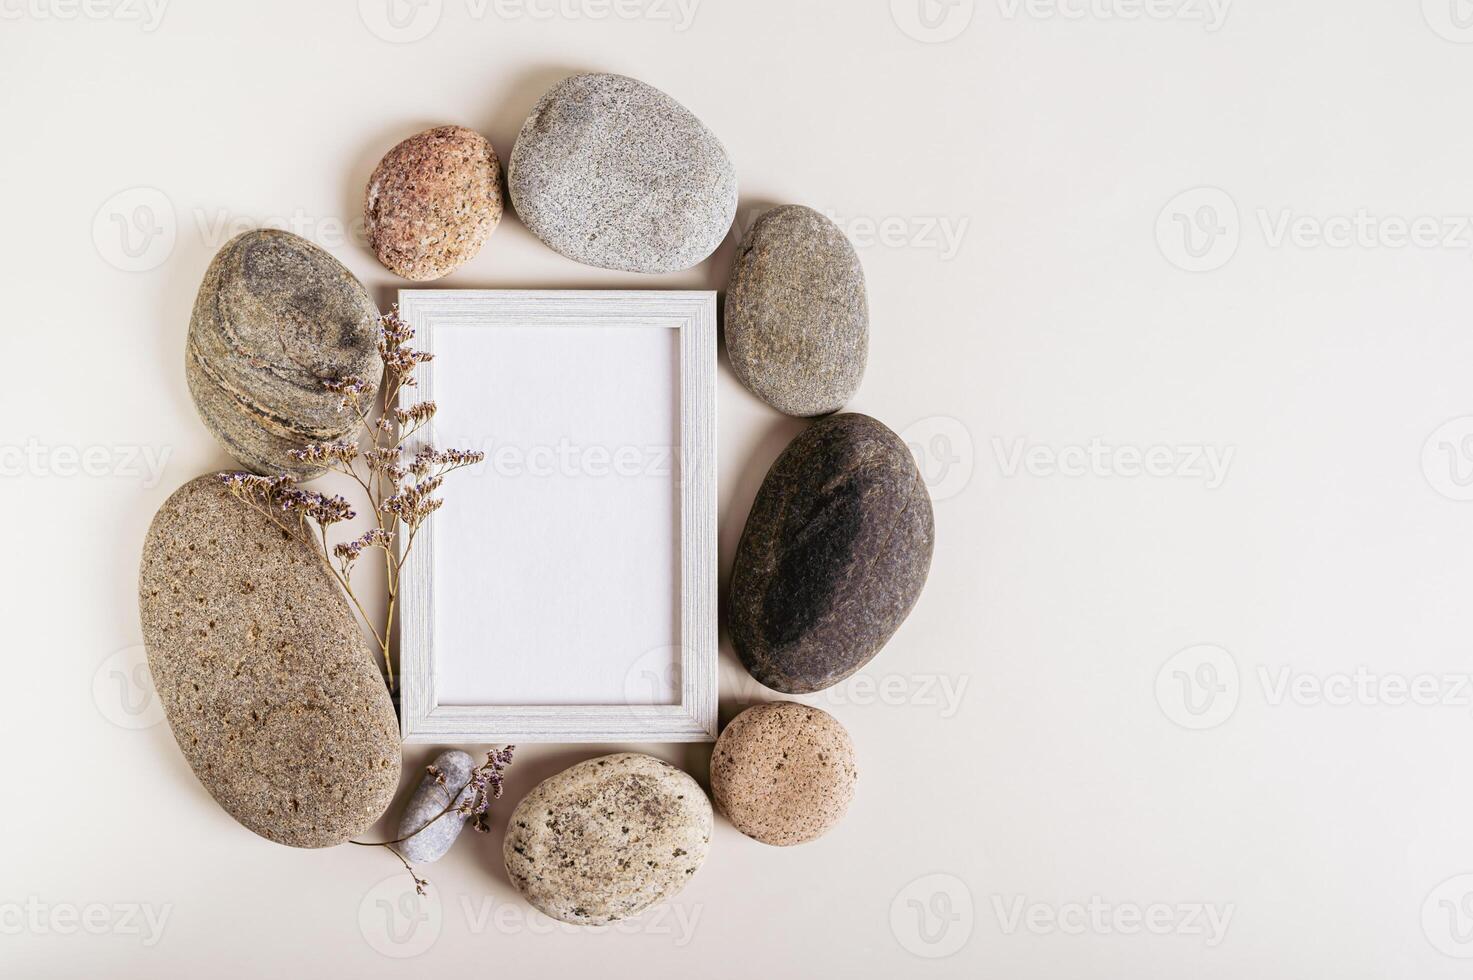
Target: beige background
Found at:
1033, 802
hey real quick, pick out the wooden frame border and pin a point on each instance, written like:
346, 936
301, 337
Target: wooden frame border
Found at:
693, 313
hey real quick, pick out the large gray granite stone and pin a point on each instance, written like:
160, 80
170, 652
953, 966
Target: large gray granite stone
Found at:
614, 173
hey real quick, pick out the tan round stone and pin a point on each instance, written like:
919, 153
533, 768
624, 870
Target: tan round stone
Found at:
783, 773
606, 839
433, 201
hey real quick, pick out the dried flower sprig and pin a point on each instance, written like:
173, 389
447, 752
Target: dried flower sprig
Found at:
485, 785
473, 803
399, 484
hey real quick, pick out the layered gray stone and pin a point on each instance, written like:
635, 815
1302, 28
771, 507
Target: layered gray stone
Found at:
274, 319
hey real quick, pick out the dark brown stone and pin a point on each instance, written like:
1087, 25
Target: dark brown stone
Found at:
833, 557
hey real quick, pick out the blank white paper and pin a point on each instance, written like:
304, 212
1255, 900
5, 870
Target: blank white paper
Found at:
557, 560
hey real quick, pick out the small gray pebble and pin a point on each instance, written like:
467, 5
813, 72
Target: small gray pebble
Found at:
428, 801
797, 317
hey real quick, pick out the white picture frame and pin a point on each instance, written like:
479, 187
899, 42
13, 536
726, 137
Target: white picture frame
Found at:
456, 644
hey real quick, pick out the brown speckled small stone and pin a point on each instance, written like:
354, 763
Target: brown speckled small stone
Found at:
797, 317
607, 838
835, 552
783, 773
268, 685
275, 317
433, 201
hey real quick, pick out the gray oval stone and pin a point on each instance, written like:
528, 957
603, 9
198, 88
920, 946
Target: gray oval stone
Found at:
835, 552
426, 810
607, 838
275, 317
797, 318
268, 685
614, 173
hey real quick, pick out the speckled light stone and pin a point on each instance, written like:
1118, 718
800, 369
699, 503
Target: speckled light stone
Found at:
426, 809
836, 549
797, 318
783, 773
607, 838
276, 316
614, 173
433, 201
269, 688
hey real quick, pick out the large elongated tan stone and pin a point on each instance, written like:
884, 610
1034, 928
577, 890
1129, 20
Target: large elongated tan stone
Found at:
268, 685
